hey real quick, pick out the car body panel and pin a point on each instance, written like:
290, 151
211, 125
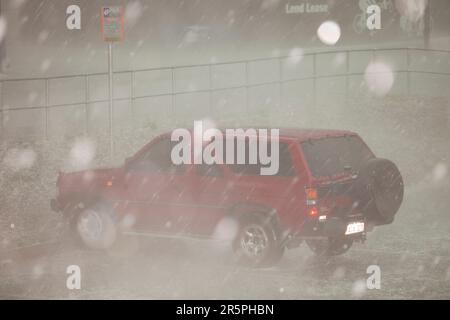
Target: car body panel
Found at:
189, 203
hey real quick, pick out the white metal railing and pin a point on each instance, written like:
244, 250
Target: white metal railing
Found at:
278, 79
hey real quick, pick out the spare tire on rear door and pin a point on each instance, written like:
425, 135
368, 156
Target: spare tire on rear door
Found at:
379, 190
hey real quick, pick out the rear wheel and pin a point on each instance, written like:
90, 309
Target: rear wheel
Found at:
256, 243
330, 246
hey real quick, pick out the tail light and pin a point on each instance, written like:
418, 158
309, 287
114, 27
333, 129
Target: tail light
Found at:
311, 201
311, 196
313, 211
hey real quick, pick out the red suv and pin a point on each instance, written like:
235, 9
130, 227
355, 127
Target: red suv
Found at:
329, 191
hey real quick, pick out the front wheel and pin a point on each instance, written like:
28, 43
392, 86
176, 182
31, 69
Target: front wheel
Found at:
94, 227
330, 246
256, 243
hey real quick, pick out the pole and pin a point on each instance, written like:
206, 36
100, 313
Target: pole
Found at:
427, 25
111, 100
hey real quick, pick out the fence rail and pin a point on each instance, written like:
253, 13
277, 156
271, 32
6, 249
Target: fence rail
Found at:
49, 93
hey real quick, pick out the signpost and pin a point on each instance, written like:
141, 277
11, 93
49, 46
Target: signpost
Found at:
427, 25
112, 30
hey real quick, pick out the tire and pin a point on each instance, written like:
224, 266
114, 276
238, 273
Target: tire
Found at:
379, 190
330, 246
93, 227
256, 243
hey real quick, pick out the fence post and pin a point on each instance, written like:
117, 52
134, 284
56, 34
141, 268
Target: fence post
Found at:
247, 93
280, 66
2, 116
211, 88
173, 92
314, 82
86, 104
408, 72
132, 94
47, 100
347, 77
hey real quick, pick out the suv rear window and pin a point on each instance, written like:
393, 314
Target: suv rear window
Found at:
329, 156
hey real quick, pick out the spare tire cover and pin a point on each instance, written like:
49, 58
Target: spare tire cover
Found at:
379, 190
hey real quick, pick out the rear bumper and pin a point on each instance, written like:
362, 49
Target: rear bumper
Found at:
332, 227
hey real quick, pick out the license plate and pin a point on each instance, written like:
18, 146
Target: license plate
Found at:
354, 227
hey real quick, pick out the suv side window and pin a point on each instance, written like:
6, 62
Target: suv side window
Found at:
208, 170
243, 169
157, 159
285, 169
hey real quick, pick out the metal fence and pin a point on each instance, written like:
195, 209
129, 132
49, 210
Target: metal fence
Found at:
39, 106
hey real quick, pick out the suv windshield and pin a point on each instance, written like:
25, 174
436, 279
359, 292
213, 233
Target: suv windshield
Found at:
330, 156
